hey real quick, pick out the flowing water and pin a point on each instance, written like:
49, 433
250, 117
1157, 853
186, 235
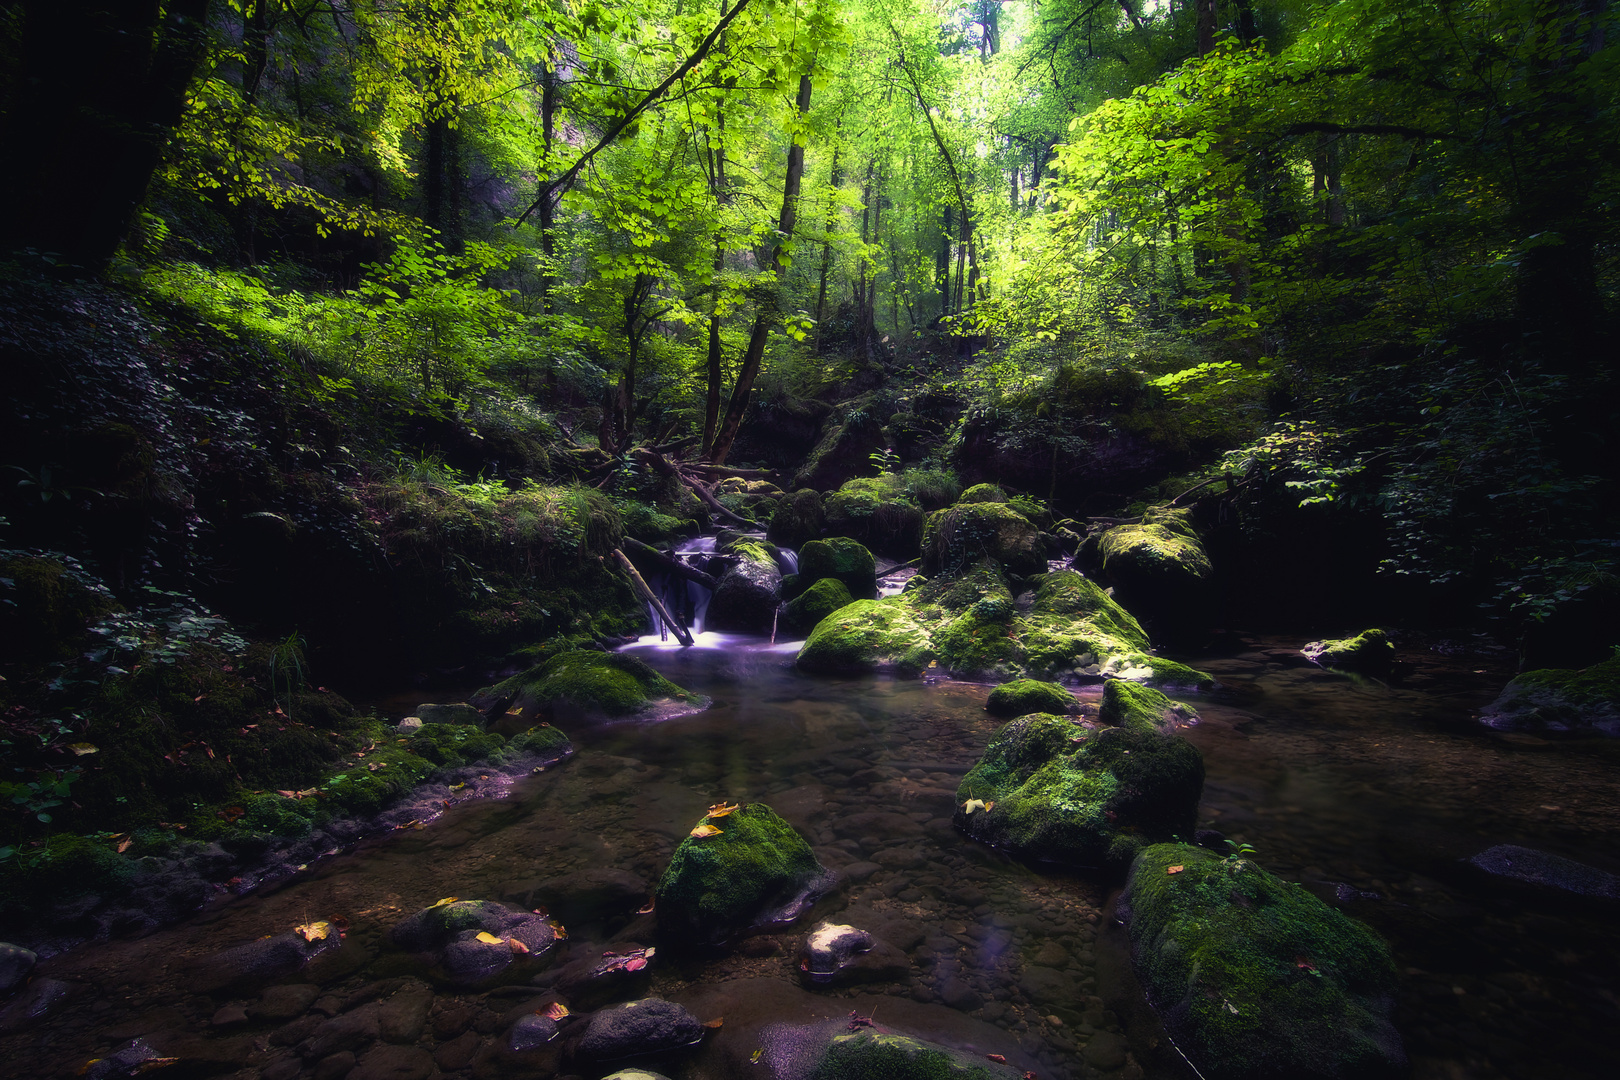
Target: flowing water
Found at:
1369, 794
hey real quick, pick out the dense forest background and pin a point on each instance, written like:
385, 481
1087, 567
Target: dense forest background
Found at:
360, 328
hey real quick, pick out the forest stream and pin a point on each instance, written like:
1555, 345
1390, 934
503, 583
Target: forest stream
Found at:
1367, 793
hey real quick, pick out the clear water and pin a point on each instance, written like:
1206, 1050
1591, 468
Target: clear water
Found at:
1332, 780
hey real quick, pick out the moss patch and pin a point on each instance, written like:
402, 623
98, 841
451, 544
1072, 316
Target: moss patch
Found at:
866, 635
717, 886
877, 511
823, 598
983, 493
960, 536
1254, 976
1370, 652
876, 1055
841, 558
578, 681
1561, 699
797, 520
1025, 696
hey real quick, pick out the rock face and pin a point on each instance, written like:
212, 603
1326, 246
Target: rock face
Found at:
823, 598
971, 626
582, 685
472, 941
648, 1026
1560, 699
1527, 870
843, 560
878, 512
1024, 696
1370, 652
798, 519
262, 961
458, 712
1255, 977
1050, 789
1159, 568
867, 1053
754, 873
15, 964
957, 538
749, 591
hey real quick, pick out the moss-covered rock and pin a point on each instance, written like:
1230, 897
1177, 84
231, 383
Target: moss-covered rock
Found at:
983, 493
798, 519
1253, 976
868, 635
845, 449
1024, 696
1159, 568
1053, 790
958, 537
46, 605
749, 591
583, 684
877, 511
821, 600
868, 1054
1370, 652
841, 558
754, 873
1561, 699
1038, 515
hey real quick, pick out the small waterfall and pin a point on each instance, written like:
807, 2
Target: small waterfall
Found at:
788, 560
686, 600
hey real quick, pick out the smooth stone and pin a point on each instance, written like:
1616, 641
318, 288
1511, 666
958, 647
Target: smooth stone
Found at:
959, 994
531, 1032
36, 1001
589, 895
647, 1026
402, 1017
386, 1062
284, 1002
16, 963
458, 712
1105, 1051
125, 1061
1045, 986
334, 1066
1551, 875
350, 1031
228, 1016
409, 725
860, 871
457, 1053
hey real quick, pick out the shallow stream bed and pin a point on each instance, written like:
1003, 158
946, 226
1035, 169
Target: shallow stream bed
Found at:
1368, 794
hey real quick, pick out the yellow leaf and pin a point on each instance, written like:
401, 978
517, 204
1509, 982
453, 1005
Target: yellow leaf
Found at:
488, 938
82, 748
705, 830
559, 930
972, 805
715, 1024
516, 946
315, 931
555, 1011
446, 900
722, 809
1175, 869
756, 1055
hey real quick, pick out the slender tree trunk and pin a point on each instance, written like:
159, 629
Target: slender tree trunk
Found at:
715, 370
738, 403
1206, 27
942, 266
433, 173
835, 180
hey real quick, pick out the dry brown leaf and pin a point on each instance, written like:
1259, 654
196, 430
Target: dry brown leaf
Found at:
722, 809
125, 844
558, 929
715, 1024
315, 931
705, 829
1174, 869
645, 909
80, 749
151, 1064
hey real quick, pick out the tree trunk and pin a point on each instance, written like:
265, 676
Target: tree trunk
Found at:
834, 181
1206, 27
738, 403
101, 88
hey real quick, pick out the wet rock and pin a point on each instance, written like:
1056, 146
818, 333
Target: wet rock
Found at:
1049, 789
648, 1026
125, 1061
580, 684
284, 1002
755, 873
748, 594
869, 1052
802, 614
1528, 871
635, 1074
592, 895
882, 823
604, 975
16, 963
451, 932
1560, 699
350, 1031
829, 948
387, 1062
258, 962
955, 539
458, 712
1369, 652
849, 438
531, 1032
798, 519
843, 560
457, 1053
37, 1000
1106, 1051
1254, 976
409, 726
1046, 986
959, 995
1025, 696
860, 871
334, 1067
1157, 568
403, 1016
228, 1016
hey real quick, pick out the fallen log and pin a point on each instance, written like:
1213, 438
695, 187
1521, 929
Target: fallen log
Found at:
664, 467
682, 634
673, 566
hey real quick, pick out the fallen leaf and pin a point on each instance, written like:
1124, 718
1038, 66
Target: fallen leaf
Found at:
989, 806
516, 946
722, 809
231, 813
705, 830
1030, 1076
1175, 869
155, 1063
635, 963
972, 805
124, 845
446, 900
555, 1011
997, 1058
645, 909
558, 929
315, 931
488, 938
753, 1059
715, 1024
80, 749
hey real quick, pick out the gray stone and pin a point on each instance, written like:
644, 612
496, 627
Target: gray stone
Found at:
531, 1032
15, 964
458, 712
648, 1026
385, 1062
1105, 1051
284, 1002
409, 725
829, 948
402, 1017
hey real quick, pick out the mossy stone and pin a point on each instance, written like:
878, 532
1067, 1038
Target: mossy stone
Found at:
1068, 794
797, 520
841, 558
880, 1055
1561, 699
821, 600
1025, 696
866, 635
590, 683
1370, 652
983, 493
960, 536
717, 887
1159, 568
876, 512
1255, 977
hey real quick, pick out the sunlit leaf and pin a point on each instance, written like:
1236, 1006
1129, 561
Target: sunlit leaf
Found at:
446, 900
80, 749
315, 931
722, 809
705, 829
555, 1011
488, 938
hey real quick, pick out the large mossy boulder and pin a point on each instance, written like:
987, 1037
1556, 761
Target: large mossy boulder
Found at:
1159, 568
845, 449
1253, 976
879, 512
983, 493
1052, 790
798, 519
1024, 696
1369, 652
869, 1054
738, 872
806, 610
841, 558
960, 536
749, 590
1561, 699
582, 684
868, 635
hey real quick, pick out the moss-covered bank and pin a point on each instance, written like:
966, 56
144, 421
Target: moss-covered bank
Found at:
582, 684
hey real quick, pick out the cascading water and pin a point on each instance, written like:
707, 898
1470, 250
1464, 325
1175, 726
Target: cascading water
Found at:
688, 601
